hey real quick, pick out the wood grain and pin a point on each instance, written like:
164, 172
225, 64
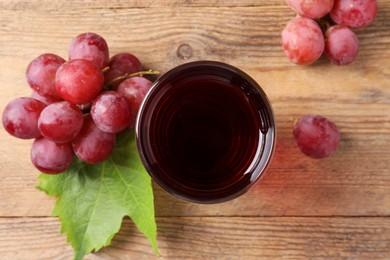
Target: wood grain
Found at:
120, 4
337, 208
212, 238
293, 186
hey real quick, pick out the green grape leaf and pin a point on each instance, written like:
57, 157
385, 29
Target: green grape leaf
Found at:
94, 199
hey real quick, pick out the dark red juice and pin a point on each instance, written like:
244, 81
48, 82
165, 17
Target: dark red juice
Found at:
205, 132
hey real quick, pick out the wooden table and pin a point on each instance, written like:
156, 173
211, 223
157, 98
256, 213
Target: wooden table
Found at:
304, 208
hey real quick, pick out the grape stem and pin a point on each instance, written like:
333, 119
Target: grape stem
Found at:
105, 69
129, 75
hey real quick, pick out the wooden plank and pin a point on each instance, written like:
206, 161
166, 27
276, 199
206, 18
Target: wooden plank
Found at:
212, 238
91, 4
294, 185
355, 181
250, 39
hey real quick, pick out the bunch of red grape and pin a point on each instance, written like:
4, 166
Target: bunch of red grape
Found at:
304, 40
77, 106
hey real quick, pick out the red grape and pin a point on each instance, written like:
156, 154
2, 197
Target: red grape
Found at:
302, 40
119, 65
134, 90
20, 117
90, 46
41, 73
354, 13
341, 45
92, 145
50, 157
79, 81
316, 136
311, 8
60, 122
110, 112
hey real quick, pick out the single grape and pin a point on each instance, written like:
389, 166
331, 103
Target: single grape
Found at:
60, 122
79, 81
354, 13
92, 145
316, 136
90, 46
20, 117
110, 112
134, 90
45, 100
311, 8
50, 157
41, 73
119, 65
302, 40
341, 45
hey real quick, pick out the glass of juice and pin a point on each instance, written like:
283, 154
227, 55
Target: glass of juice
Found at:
206, 132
